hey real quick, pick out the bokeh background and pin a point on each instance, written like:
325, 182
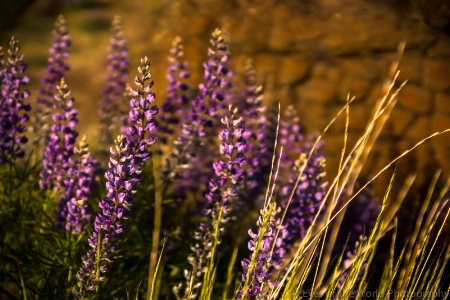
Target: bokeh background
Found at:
309, 53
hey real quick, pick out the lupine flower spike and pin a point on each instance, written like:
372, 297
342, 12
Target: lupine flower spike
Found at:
187, 150
222, 192
78, 187
124, 172
13, 106
57, 158
54, 72
176, 91
112, 103
310, 189
255, 122
267, 251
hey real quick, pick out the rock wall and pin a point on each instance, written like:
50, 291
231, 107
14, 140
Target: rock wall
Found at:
307, 53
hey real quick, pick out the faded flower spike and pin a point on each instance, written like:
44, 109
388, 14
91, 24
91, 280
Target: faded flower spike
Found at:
267, 252
12, 104
222, 192
78, 186
113, 100
124, 172
56, 69
176, 91
57, 158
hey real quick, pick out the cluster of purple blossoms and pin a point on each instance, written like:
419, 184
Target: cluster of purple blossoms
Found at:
266, 246
78, 184
124, 172
199, 129
58, 154
60, 169
12, 104
255, 122
222, 192
112, 104
176, 92
54, 72
301, 196
360, 218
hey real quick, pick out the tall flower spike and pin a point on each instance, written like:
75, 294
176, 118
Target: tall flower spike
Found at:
78, 186
255, 122
12, 105
112, 103
222, 191
359, 220
217, 74
58, 155
56, 69
176, 91
124, 172
308, 195
302, 208
267, 252
199, 126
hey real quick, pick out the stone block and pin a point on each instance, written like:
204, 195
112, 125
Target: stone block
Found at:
436, 74
410, 67
293, 69
415, 98
442, 102
398, 122
419, 129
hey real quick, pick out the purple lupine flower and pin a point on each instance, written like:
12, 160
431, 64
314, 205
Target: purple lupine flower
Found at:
54, 72
347, 264
176, 92
255, 122
124, 172
78, 185
111, 105
200, 124
360, 218
308, 194
311, 189
222, 191
217, 76
266, 246
58, 155
12, 105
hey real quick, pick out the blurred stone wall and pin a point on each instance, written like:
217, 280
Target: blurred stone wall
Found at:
307, 53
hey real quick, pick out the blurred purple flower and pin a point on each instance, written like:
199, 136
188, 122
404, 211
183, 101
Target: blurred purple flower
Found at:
54, 72
12, 104
222, 191
176, 92
58, 154
200, 128
253, 112
113, 101
78, 184
310, 191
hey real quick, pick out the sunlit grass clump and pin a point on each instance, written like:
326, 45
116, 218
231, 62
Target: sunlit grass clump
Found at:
202, 193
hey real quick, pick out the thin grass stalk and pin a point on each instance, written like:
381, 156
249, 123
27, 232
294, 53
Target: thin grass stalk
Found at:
424, 236
434, 243
157, 268
257, 248
209, 275
230, 270
360, 142
320, 272
156, 228
406, 272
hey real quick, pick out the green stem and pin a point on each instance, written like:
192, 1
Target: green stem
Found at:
97, 264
